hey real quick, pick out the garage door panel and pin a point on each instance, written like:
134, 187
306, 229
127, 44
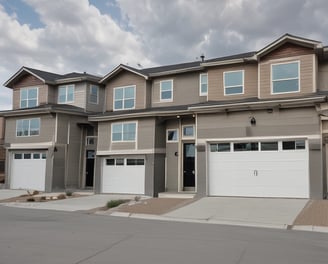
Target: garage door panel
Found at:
259, 173
127, 179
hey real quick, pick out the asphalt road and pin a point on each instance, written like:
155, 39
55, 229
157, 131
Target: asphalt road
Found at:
33, 236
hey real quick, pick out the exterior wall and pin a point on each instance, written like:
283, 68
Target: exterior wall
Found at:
289, 53
47, 129
323, 77
145, 136
42, 96
185, 90
283, 122
101, 99
2, 150
216, 82
125, 79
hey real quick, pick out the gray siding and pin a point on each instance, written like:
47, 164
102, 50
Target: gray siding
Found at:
47, 129
323, 77
101, 100
185, 90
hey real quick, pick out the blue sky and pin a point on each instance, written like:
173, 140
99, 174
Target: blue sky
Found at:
96, 35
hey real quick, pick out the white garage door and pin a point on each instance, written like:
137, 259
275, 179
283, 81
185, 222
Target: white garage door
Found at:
259, 169
123, 175
28, 171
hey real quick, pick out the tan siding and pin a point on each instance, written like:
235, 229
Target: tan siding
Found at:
146, 133
28, 80
126, 79
123, 146
283, 122
323, 77
306, 76
101, 98
2, 128
185, 90
52, 94
216, 85
47, 130
104, 136
287, 50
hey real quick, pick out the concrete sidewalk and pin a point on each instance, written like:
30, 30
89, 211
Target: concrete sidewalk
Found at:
7, 194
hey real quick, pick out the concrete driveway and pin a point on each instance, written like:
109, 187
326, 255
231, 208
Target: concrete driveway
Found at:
7, 194
274, 212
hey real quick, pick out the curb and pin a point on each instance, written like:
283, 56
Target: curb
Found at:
322, 229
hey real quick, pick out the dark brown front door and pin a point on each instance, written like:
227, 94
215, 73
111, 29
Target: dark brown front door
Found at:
90, 164
188, 166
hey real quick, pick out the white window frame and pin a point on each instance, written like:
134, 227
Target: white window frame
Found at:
27, 89
243, 83
160, 91
29, 127
188, 137
90, 94
123, 106
167, 135
201, 93
286, 79
66, 93
122, 140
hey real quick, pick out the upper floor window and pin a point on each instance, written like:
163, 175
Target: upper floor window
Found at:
233, 82
93, 94
66, 94
166, 88
188, 131
28, 97
285, 77
172, 135
28, 127
203, 83
124, 97
122, 132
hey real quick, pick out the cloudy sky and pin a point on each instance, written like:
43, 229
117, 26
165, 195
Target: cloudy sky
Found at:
96, 35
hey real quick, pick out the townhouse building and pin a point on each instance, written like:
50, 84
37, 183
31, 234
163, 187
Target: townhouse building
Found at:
252, 124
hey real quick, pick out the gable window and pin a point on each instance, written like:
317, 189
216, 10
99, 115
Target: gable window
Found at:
285, 77
93, 94
28, 127
166, 88
124, 97
28, 97
172, 135
66, 94
203, 84
233, 82
123, 132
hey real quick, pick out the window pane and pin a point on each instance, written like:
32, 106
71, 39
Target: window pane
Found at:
35, 124
300, 144
118, 93
129, 131
62, 95
119, 162
26, 124
93, 97
203, 88
287, 145
267, 146
166, 85
234, 90
285, 86
44, 155
189, 150
118, 104
129, 92
166, 95
23, 94
70, 93
135, 162
172, 135
18, 156
23, 104
36, 155
249, 146
32, 93
129, 103
110, 162
203, 78
27, 155
285, 71
214, 147
233, 78
223, 147
188, 131
32, 103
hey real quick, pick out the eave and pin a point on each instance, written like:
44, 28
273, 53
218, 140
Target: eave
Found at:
16, 75
117, 70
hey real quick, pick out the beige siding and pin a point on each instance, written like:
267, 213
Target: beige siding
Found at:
126, 79
2, 128
185, 90
283, 122
101, 99
323, 77
52, 94
47, 130
42, 97
216, 83
146, 133
287, 50
307, 78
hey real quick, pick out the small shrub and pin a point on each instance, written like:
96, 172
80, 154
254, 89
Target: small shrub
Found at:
137, 198
30, 199
61, 196
35, 192
69, 193
42, 198
115, 203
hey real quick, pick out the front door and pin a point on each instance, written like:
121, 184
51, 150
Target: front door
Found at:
188, 166
90, 164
